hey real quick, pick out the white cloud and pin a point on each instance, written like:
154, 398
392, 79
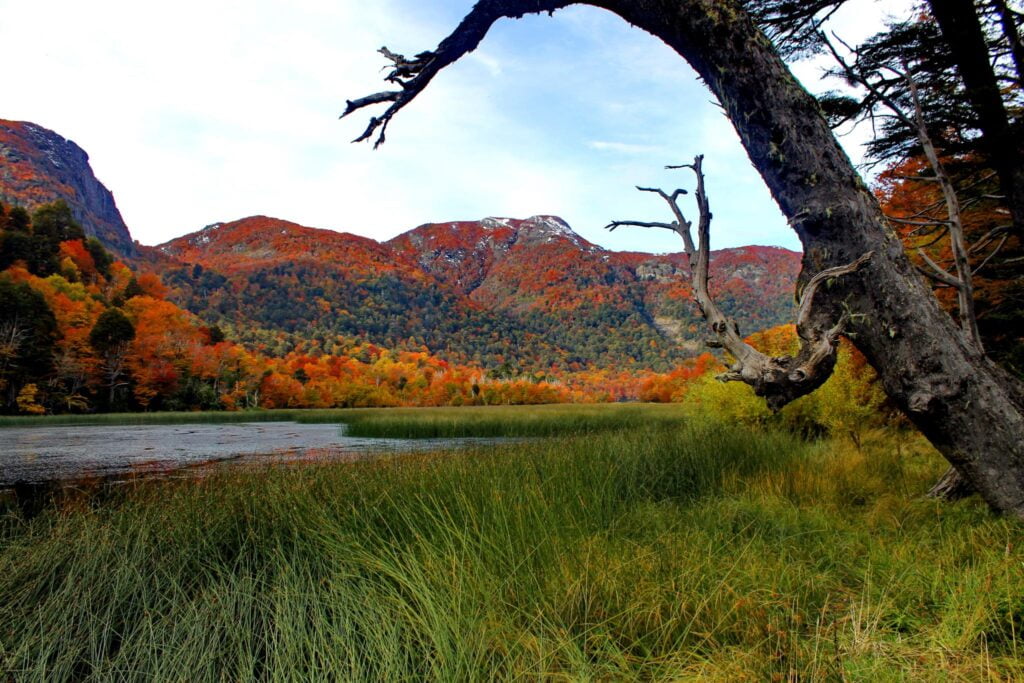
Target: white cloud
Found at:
216, 109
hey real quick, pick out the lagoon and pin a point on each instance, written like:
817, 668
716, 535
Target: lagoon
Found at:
66, 453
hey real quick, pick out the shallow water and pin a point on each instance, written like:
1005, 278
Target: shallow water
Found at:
30, 455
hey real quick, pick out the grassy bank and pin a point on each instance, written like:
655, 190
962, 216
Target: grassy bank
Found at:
496, 421
690, 551
408, 423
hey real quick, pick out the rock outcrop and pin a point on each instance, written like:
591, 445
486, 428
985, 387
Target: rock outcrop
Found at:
38, 166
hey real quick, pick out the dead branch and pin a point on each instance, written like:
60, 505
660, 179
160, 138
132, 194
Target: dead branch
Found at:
413, 75
781, 379
938, 272
984, 240
937, 204
993, 253
907, 221
641, 224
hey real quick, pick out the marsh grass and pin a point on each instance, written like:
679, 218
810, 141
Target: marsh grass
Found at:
696, 551
510, 421
408, 423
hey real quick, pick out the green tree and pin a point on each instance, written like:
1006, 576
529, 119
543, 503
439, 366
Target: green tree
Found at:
17, 220
110, 337
112, 329
51, 225
100, 256
15, 245
27, 333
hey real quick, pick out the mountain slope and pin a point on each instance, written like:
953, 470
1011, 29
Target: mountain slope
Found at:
259, 241
514, 295
524, 294
38, 166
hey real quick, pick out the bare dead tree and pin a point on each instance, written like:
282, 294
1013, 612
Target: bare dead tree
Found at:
779, 379
70, 377
13, 334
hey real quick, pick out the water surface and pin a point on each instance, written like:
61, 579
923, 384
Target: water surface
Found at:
52, 454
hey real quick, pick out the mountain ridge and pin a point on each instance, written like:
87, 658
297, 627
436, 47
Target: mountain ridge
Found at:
39, 166
519, 294
520, 279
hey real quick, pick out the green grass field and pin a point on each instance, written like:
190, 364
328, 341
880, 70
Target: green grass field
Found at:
661, 550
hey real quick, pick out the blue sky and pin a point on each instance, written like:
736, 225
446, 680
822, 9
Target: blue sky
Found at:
206, 111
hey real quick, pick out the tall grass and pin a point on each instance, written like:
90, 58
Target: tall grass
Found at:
409, 423
692, 551
510, 421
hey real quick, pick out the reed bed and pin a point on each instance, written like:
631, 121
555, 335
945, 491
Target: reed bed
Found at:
409, 423
510, 421
694, 550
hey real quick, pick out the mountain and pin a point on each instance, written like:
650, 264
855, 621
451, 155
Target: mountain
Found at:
540, 263
513, 295
38, 166
259, 242
522, 294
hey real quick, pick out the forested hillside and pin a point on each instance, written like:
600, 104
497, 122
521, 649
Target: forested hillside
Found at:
80, 332
514, 295
265, 312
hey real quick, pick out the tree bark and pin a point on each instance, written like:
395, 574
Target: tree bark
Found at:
947, 388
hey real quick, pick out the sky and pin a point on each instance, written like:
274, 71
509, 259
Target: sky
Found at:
204, 111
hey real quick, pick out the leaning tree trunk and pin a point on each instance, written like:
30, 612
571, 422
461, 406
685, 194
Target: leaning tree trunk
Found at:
963, 404
926, 365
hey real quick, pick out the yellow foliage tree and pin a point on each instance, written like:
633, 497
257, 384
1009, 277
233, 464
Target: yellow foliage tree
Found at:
27, 402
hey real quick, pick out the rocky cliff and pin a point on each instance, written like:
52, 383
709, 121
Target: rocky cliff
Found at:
38, 166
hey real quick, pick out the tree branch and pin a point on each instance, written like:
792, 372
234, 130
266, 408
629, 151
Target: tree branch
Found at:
993, 253
915, 121
907, 221
778, 379
413, 75
639, 224
939, 273
803, 315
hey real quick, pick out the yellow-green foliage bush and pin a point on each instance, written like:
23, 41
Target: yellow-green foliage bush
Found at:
851, 400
